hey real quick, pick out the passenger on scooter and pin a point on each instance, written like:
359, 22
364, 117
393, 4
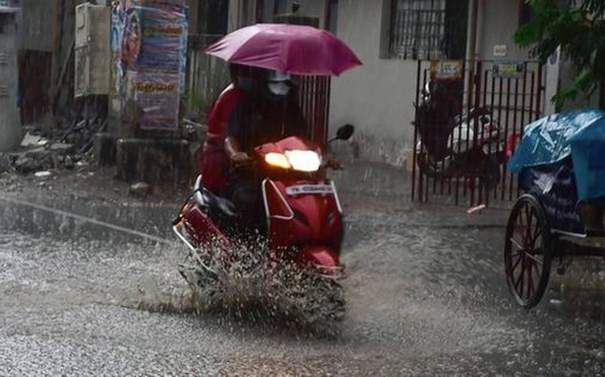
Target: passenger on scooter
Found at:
269, 114
213, 162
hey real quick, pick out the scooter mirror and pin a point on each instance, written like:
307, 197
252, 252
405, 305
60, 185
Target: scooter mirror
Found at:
345, 132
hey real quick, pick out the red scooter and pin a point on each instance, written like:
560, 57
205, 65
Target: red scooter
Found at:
304, 224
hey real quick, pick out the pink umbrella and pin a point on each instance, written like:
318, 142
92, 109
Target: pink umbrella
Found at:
294, 49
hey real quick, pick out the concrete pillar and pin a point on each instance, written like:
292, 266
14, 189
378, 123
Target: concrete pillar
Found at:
149, 146
10, 123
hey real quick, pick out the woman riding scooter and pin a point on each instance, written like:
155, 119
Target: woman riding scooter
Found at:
269, 114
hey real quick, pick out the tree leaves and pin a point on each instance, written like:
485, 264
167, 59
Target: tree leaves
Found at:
579, 28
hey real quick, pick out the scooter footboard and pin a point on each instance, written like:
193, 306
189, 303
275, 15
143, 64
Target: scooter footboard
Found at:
198, 226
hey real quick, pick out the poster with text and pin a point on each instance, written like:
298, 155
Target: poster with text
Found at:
153, 52
158, 97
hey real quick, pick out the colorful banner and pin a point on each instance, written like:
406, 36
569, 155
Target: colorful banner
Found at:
117, 70
152, 40
184, 48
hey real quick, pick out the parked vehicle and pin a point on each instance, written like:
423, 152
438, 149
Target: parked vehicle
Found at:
560, 215
303, 221
453, 144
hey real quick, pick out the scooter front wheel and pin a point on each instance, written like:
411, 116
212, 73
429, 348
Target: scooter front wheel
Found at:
318, 299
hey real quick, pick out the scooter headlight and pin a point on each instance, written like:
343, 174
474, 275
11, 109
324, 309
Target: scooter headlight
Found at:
305, 161
277, 160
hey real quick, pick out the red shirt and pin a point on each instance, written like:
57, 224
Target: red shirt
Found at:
213, 162
222, 110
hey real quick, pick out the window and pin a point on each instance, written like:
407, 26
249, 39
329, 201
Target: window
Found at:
281, 7
332, 16
5, 25
266, 9
428, 29
526, 13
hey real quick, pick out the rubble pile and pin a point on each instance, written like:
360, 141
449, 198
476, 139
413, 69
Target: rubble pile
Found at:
61, 149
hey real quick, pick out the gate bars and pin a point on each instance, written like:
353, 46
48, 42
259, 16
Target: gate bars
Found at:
512, 93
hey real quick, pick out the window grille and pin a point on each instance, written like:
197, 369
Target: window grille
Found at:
428, 29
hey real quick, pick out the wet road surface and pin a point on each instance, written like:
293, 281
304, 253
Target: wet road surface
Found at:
425, 295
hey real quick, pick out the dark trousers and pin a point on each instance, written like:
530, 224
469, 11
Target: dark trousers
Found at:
245, 193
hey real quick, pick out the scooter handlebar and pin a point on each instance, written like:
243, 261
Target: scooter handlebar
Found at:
243, 163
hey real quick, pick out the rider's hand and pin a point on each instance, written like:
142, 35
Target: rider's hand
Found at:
239, 157
333, 163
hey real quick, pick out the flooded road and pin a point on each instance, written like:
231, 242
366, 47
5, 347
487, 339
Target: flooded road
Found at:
425, 295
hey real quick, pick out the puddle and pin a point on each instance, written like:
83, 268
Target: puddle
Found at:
245, 291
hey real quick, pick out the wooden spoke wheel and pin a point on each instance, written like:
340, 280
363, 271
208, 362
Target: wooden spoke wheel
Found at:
527, 251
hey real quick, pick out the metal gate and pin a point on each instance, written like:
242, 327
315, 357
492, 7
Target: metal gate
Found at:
469, 119
314, 102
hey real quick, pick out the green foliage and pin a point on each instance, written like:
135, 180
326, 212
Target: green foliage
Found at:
579, 28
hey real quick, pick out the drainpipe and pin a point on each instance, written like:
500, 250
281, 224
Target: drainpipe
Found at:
471, 45
471, 37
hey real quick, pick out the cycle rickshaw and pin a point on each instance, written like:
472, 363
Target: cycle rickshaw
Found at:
561, 166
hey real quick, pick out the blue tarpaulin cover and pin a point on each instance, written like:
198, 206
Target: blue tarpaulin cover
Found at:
579, 133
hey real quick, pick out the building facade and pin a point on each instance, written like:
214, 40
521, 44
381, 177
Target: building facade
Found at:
10, 128
391, 37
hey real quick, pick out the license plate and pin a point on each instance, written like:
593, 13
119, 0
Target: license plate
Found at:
309, 190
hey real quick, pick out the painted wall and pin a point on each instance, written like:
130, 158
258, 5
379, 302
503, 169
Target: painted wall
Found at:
498, 20
377, 98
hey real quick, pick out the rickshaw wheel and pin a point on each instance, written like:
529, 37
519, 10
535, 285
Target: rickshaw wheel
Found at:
527, 251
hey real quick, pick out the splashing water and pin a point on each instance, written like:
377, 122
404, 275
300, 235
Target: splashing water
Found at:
250, 284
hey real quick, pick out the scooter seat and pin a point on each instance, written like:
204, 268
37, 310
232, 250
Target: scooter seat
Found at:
206, 198
224, 205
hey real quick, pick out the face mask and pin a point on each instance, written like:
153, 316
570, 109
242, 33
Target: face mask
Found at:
245, 83
279, 88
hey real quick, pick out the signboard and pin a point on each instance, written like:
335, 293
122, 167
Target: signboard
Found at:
509, 69
500, 50
446, 69
152, 39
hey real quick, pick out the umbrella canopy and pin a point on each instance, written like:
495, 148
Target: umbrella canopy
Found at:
294, 49
580, 134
